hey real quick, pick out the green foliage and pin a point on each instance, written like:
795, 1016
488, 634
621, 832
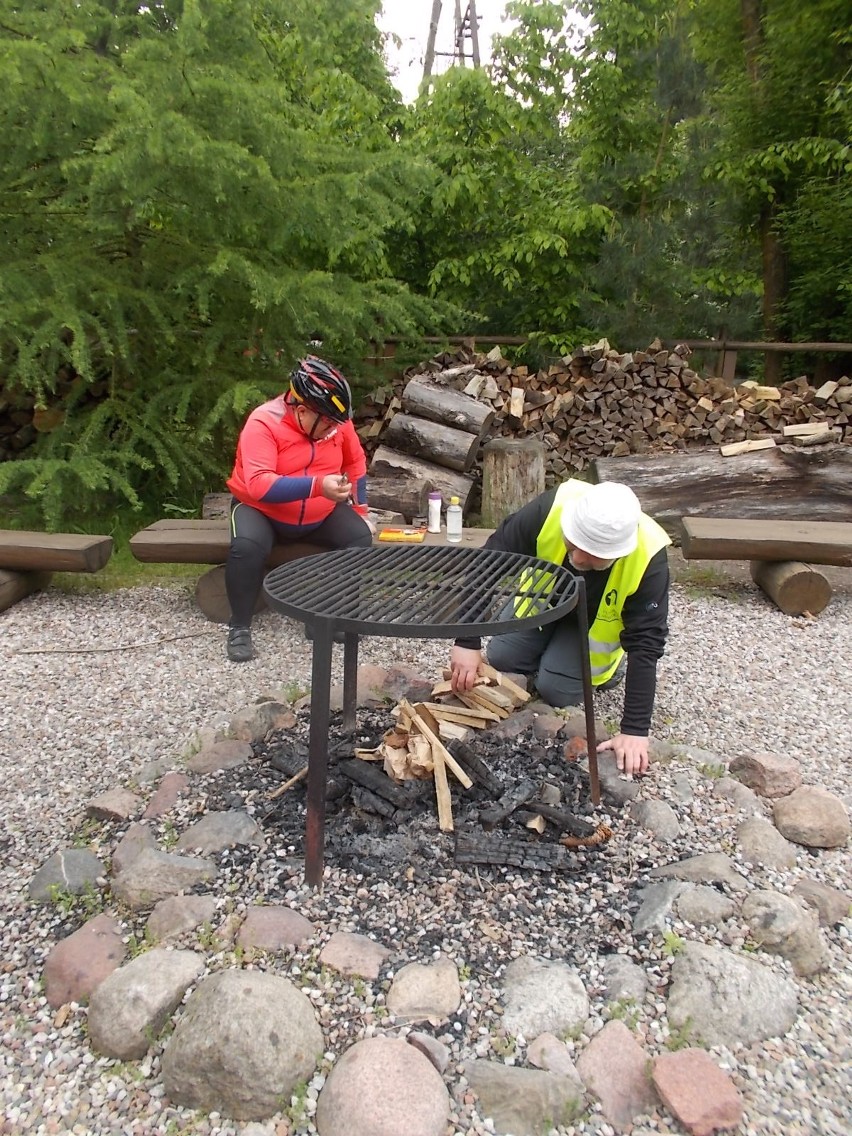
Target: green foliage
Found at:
84, 905
505, 231
673, 943
188, 192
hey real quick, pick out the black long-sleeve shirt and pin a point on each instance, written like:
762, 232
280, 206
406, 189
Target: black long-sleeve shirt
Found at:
645, 612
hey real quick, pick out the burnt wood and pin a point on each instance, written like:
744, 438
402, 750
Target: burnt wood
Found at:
372, 803
53, 552
500, 851
475, 767
516, 796
444, 404
564, 821
793, 485
377, 781
813, 542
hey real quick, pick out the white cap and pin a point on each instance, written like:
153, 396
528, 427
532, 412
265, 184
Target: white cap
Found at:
604, 522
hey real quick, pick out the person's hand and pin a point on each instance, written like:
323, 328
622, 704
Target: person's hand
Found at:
631, 752
336, 487
464, 668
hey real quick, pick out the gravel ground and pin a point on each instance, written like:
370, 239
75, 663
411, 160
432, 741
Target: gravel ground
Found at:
96, 685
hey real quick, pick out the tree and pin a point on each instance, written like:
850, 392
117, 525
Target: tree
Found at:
780, 97
191, 190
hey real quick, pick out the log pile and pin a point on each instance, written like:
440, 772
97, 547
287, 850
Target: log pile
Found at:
430, 437
600, 402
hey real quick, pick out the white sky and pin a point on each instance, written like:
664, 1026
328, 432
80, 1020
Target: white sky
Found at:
409, 19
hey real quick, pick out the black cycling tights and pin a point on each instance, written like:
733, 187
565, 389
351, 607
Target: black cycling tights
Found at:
252, 537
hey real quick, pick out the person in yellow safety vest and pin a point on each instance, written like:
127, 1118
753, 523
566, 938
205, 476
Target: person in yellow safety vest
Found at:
621, 553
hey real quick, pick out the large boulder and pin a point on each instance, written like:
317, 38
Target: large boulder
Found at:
245, 1040
721, 998
383, 1087
130, 1007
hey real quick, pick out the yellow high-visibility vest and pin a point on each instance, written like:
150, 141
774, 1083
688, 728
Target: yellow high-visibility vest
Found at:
605, 650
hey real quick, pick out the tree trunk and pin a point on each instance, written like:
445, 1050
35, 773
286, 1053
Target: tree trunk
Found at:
779, 483
395, 477
444, 404
454, 449
795, 588
512, 475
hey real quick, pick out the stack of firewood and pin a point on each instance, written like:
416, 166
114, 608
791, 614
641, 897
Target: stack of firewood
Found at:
602, 402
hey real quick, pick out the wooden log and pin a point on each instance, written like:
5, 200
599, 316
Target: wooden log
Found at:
513, 473
390, 471
394, 487
434, 441
814, 542
802, 484
796, 588
443, 404
53, 552
14, 586
214, 505
748, 447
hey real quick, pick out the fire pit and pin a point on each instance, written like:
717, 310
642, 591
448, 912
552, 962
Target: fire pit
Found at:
418, 592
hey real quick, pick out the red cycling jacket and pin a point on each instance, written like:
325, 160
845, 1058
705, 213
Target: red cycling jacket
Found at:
271, 447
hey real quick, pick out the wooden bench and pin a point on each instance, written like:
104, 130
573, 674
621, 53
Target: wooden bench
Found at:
208, 541
27, 559
781, 554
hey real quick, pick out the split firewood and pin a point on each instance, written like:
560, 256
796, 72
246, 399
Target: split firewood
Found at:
501, 680
437, 745
463, 715
490, 713
802, 429
537, 823
442, 790
496, 696
376, 754
452, 731
479, 697
747, 447
832, 434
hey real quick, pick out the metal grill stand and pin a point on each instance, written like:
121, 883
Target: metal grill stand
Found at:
412, 592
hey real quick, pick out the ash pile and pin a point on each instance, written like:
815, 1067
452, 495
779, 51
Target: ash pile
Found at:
414, 786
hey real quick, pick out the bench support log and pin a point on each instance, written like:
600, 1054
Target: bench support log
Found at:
796, 588
15, 586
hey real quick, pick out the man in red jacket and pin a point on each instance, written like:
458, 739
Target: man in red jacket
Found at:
300, 471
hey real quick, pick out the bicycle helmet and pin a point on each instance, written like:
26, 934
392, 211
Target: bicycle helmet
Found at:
322, 388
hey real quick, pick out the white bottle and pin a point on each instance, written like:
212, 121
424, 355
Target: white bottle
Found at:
434, 522
454, 521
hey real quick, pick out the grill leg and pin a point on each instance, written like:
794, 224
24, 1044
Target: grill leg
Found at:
588, 696
318, 752
350, 679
